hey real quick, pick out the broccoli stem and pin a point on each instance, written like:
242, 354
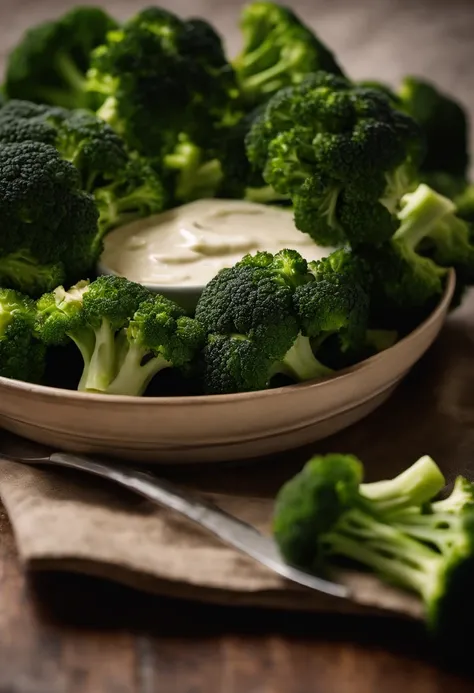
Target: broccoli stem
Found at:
393, 555
441, 530
420, 213
195, 179
115, 210
108, 112
416, 485
85, 342
264, 195
134, 375
73, 94
99, 368
398, 184
300, 362
266, 81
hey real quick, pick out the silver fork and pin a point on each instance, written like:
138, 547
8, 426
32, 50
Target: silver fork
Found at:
196, 508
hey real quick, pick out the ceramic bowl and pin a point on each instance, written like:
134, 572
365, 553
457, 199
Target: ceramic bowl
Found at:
213, 428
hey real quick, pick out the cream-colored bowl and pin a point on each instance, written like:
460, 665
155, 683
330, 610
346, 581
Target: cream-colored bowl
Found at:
219, 427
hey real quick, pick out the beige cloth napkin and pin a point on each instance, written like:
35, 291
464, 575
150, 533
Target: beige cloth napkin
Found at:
66, 520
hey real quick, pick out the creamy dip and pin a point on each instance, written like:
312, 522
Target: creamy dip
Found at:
189, 245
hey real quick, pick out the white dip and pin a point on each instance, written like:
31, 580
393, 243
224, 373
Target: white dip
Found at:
188, 245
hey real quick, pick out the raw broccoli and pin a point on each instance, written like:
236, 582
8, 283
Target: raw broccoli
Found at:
159, 77
49, 64
342, 153
410, 269
279, 50
261, 315
337, 303
22, 356
124, 185
444, 123
160, 335
135, 192
190, 172
49, 225
91, 315
240, 178
125, 333
325, 513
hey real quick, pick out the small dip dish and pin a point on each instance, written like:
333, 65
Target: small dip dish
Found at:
176, 253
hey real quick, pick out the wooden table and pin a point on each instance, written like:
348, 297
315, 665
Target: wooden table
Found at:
72, 634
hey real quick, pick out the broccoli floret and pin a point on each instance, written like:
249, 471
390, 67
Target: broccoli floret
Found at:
342, 153
337, 303
91, 315
329, 488
50, 62
135, 192
444, 123
405, 277
279, 50
325, 513
159, 335
22, 356
267, 314
125, 333
191, 175
240, 178
49, 225
124, 185
159, 77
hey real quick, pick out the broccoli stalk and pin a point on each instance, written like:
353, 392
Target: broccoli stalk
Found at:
300, 362
159, 335
195, 178
392, 527
420, 213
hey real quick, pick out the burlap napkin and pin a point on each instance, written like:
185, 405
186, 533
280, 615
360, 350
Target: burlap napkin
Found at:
66, 520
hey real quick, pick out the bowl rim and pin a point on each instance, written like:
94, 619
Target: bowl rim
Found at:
343, 374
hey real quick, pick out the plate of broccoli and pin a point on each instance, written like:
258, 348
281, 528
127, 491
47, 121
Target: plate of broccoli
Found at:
103, 123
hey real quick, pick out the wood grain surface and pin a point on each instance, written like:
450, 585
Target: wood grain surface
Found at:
69, 634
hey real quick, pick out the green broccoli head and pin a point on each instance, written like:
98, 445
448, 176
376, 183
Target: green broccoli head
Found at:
337, 302
136, 191
310, 504
254, 329
159, 335
279, 50
343, 154
22, 356
125, 333
79, 136
409, 270
156, 59
254, 299
50, 62
124, 185
49, 224
92, 316
234, 364
444, 123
